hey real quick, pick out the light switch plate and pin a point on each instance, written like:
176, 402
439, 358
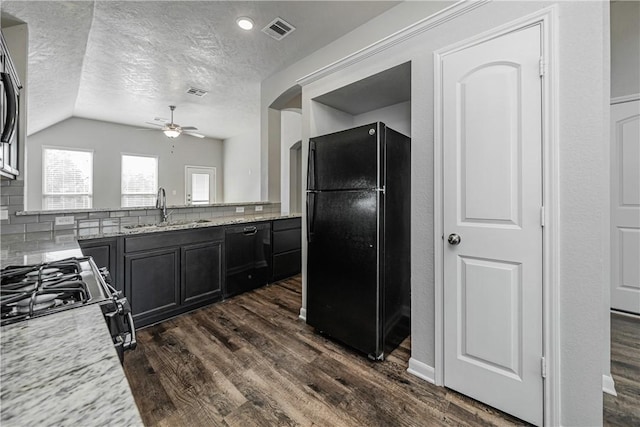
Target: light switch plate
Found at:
240, 209
64, 220
4, 214
258, 208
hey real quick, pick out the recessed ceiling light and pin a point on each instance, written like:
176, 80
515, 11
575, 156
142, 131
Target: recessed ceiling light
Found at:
245, 23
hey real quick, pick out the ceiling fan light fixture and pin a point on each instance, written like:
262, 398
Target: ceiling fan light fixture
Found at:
171, 133
245, 23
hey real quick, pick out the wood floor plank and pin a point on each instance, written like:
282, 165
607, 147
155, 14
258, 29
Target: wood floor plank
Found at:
624, 409
249, 361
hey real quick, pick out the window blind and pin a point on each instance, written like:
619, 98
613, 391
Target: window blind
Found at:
67, 179
139, 183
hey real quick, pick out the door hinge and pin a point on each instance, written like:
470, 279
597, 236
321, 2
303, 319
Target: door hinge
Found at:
541, 216
542, 66
543, 367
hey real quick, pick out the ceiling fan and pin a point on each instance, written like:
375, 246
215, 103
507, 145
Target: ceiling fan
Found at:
173, 130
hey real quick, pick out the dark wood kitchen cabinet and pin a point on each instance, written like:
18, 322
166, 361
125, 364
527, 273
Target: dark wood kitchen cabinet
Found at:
168, 273
287, 254
201, 271
105, 254
151, 283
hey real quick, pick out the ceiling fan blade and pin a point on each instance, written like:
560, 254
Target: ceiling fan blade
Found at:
155, 124
148, 129
189, 128
197, 135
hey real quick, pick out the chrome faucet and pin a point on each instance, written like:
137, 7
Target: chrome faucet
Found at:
161, 203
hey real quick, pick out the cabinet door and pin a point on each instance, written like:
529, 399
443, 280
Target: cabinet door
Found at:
152, 283
201, 272
104, 254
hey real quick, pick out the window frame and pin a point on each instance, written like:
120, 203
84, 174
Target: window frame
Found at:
45, 195
157, 174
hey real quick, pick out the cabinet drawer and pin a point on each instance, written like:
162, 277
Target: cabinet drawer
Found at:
285, 224
286, 240
165, 239
286, 265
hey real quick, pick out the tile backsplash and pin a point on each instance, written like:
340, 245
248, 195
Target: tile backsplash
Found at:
104, 221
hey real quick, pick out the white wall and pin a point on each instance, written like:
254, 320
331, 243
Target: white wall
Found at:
290, 133
108, 141
583, 199
625, 48
241, 159
397, 117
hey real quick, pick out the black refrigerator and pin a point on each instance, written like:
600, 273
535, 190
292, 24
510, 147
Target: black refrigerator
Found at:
358, 234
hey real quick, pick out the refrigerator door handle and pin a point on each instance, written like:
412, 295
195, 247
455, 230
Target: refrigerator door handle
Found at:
311, 213
311, 167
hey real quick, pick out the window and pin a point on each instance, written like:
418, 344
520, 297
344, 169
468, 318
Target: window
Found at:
139, 180
67, 178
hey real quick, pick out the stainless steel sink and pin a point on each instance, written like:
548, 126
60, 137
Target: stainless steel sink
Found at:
166, 224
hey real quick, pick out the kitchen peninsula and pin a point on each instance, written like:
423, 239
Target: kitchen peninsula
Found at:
75, 345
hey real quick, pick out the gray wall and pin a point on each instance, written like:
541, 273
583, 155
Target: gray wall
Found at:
108, 141
625, 48
241, 155
583, 91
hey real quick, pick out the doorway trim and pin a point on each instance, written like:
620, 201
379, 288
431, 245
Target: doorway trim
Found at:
547, 19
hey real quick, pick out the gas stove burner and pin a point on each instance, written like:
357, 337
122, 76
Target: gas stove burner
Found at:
28, 291
37, 300
43, 274
27, 309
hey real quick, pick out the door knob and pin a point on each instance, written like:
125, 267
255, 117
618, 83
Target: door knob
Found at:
453, 239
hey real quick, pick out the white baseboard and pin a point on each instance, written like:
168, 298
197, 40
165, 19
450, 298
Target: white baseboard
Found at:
608, 385
626, 98
422, 370
625, 314
303, 314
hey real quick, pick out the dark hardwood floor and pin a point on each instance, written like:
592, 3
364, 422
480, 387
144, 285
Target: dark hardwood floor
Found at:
624, 409
249, 361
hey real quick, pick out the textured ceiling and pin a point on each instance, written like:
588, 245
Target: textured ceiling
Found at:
126, 62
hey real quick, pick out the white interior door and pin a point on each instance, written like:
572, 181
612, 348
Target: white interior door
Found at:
625, 207
492, 196
200, 185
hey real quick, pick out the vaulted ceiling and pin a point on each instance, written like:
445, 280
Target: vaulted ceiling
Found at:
127, 61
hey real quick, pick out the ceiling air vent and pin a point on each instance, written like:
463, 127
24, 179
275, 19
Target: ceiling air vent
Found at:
197, 92
278, 29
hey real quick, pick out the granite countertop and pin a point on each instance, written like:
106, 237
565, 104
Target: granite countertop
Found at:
62, 370
34, 248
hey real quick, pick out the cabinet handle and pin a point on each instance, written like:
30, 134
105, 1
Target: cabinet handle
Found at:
250, 231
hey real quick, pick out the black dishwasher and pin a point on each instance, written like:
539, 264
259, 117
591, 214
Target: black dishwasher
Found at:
247, 257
